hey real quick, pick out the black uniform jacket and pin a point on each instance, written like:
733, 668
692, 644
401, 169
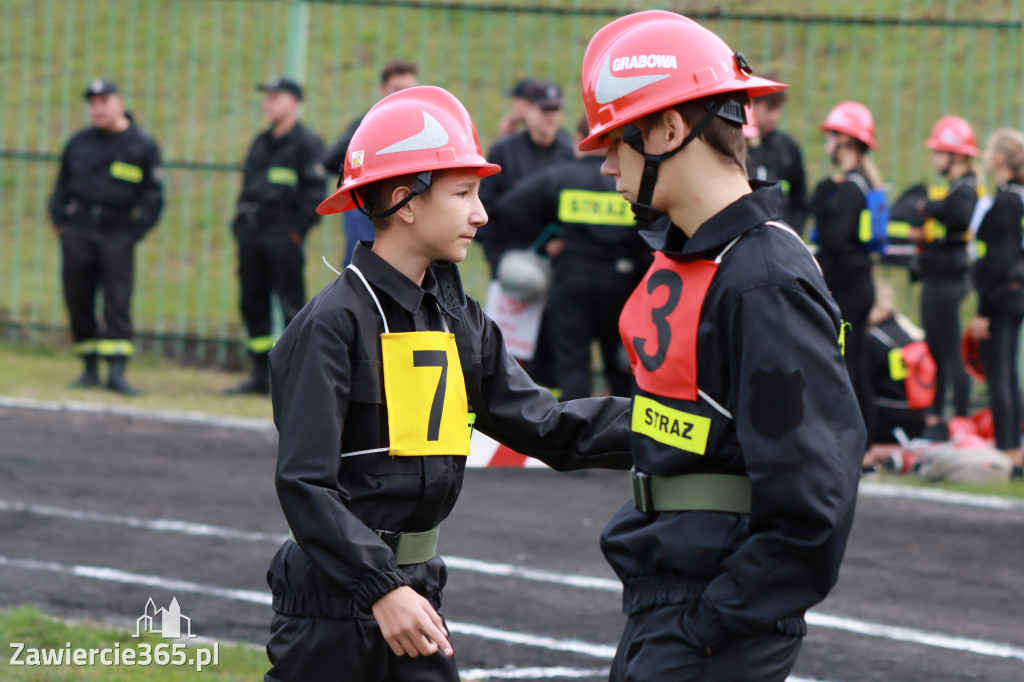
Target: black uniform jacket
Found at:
328, 397
836, 207
999, 271
334, 158
768, 353
778, 159
601, 254
947, 255
283, 181
119, 171
518, 157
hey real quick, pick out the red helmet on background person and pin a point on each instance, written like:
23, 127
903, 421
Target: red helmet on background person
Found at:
954, 135
648, 61
853, 119
416, 130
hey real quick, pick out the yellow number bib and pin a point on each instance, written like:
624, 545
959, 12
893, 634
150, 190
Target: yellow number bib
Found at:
425, 394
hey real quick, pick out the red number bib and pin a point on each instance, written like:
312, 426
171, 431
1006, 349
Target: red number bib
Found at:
659, 322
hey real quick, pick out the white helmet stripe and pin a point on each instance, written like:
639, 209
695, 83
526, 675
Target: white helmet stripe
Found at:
432, 136
610, 87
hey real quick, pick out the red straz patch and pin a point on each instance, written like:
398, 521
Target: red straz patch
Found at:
659, 322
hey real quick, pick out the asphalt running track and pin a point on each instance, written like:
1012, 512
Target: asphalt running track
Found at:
98, 512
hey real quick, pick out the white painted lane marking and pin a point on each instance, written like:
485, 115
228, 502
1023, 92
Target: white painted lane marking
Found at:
512, 571
932, 639
950, 497
553, 673
167, 416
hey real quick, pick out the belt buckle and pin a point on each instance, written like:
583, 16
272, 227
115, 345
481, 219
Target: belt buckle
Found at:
390, 539
641, 491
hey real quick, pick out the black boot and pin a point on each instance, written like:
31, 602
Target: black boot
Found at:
258, 382
90, 374
115, 376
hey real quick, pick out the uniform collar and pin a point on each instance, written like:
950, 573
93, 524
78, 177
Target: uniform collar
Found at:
383, 276
749, 211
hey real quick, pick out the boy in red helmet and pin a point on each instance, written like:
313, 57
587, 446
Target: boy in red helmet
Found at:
747, 440
370, 384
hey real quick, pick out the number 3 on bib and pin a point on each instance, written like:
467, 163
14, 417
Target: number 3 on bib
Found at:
426, 394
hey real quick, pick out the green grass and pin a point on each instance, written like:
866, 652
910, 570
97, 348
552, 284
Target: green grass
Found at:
237, 662
1013, 489
42, 372
187, 68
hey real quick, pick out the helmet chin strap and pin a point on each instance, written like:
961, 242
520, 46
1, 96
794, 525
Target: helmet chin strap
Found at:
631, 135
421, 185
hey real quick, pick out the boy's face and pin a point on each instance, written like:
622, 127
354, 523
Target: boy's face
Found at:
624, 164
448, 218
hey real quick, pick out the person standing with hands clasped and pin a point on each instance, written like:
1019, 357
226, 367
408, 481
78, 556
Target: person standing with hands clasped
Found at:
281, 185
108, 194
999, 278
746, 438
374, 385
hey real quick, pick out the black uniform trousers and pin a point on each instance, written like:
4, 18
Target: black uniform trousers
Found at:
582, 311
940, 318
654, 647
98, 257
855, 298
269, 261
318, 635
1000, 354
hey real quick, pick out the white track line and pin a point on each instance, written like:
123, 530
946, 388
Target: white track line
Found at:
557, 672
867, 488
854, 625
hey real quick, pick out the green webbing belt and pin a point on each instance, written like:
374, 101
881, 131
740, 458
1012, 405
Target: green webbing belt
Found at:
690, 492
410, 548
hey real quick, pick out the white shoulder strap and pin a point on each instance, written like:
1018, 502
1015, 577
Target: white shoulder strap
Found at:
859, 180
786, 228
372, 295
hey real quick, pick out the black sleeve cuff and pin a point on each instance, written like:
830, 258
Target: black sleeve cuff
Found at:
377, 586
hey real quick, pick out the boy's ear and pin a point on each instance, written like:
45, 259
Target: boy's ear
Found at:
671, 128
406, 213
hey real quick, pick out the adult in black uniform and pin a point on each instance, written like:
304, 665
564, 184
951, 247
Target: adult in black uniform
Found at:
108, 194
777, 158
397, 74
840, 210
746, 440
942, 263
541, 145
600, 262
281, 185
357, 595
999, 278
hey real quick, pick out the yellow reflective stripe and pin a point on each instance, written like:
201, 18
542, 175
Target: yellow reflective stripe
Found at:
936, 192
981, 247
864, 232
110, 347
126, 171
899, 229
260, 344
784, 184
472, 421
897, 368
594, 208
672, 427
87, 347
279, 175
843, 326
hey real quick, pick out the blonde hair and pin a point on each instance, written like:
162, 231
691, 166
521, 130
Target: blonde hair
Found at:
1009, 142
871, 171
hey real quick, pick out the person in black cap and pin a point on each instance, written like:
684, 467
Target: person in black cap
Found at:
515, 117
396, 75
108, 194
543, 144
778, 158
282, 184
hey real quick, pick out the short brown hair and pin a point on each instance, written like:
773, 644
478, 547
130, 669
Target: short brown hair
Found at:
371, 196
723, 136
398, 67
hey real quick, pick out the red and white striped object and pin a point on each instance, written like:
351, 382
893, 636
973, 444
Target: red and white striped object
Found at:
486, 452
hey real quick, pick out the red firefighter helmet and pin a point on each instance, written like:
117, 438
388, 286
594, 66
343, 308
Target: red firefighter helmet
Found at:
648, 61
853, 119
414, 130
954, 135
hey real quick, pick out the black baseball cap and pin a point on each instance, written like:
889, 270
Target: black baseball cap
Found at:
101, 86
522, 88
545, 95
281, 84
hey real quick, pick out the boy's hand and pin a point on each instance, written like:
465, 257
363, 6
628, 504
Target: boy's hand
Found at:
410, 624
